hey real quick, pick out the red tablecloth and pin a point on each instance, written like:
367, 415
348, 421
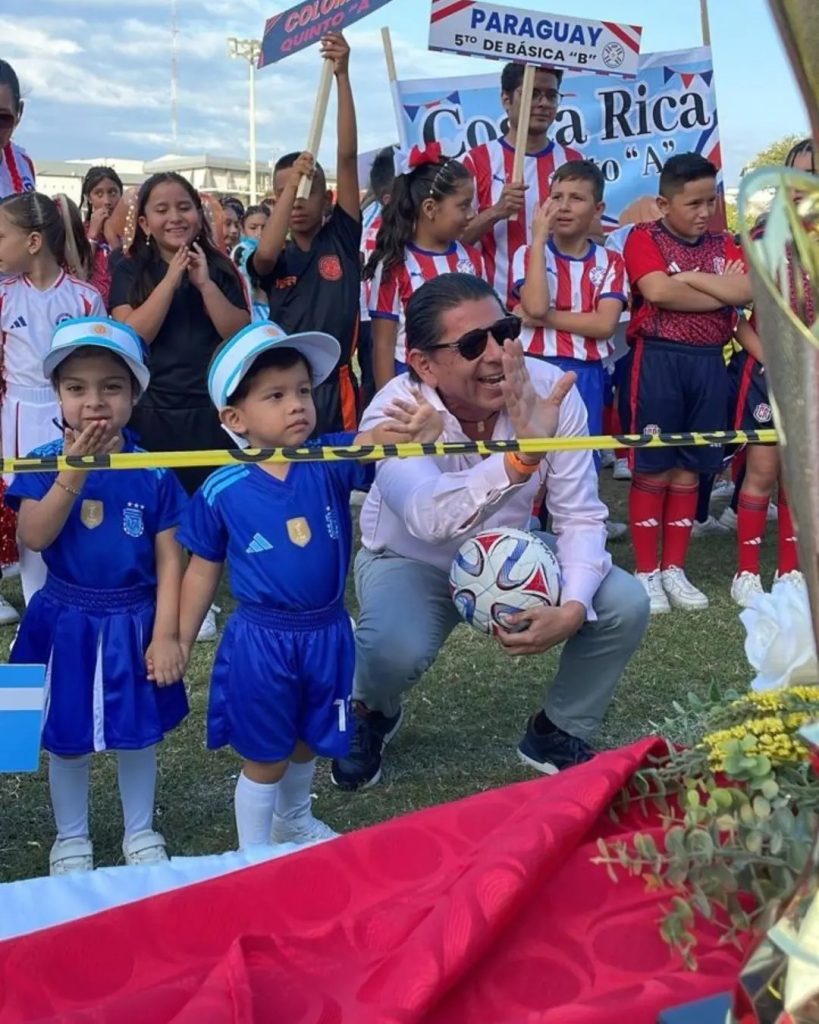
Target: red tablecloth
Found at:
484, 911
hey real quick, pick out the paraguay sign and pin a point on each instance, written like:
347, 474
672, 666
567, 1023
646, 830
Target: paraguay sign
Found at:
305, 24
480, 29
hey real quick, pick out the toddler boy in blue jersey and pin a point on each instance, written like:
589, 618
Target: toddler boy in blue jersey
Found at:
282, 678
106, 621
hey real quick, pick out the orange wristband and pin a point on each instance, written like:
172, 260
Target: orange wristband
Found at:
524, 468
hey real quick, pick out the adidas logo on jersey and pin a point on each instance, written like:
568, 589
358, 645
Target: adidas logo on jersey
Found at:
258, 545
19, 322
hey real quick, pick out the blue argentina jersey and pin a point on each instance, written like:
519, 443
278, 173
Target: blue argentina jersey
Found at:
287, 542
108, 539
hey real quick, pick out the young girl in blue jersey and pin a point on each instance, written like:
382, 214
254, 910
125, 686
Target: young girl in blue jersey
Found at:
105, 623
280, 690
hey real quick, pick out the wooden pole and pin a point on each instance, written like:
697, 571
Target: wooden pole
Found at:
317, 124
526, 90
392, 75
705, 22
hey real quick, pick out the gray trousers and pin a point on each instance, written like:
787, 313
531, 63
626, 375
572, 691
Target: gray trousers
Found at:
407, 614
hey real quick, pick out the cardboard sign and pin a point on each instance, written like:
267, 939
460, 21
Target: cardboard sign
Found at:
22, 694
478, 29
305, 24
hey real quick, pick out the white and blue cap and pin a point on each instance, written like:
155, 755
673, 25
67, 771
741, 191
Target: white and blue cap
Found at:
235, 358
118, 339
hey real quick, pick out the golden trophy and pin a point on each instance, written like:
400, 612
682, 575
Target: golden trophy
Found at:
779, 982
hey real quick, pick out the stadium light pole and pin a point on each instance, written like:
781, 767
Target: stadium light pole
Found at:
249, 50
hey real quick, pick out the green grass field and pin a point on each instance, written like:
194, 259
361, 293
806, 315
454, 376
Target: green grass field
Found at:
459, 735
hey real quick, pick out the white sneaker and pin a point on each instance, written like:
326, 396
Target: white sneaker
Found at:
607, 459
722, 491
658, 602
773, 513
681, 593
795, 578
302, 830
207, 631
8, 613
745, 585
12, 571
70, 856
729, 518
710, 528
615, 531
621, 470
357, 498
145, 847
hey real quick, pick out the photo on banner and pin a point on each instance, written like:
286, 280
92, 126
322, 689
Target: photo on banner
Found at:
629, 127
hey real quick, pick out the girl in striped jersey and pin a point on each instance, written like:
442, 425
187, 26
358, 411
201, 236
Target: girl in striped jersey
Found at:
429, 209
36, 245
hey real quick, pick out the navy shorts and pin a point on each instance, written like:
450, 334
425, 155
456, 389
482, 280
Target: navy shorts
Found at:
752, 408
677, 388
281, 677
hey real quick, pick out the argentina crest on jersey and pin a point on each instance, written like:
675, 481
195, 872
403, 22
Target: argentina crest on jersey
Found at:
133, 523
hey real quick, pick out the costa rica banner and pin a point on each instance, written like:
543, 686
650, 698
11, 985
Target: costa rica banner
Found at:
628, 127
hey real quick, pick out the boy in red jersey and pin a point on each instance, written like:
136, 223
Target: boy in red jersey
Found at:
505, 210
678, 376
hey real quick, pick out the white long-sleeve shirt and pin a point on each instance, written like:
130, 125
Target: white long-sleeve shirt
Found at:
426, 507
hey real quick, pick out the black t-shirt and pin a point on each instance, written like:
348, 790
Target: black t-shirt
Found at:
319, 290
181, 351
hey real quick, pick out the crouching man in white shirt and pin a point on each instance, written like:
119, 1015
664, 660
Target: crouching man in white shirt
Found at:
465, 360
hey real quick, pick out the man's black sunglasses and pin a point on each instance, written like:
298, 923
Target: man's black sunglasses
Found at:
472, 345
7, 120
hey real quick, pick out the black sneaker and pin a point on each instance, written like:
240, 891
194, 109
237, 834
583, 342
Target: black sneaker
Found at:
548, 749
362, 766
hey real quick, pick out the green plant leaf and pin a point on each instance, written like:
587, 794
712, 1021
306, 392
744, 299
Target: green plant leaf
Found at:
761, 808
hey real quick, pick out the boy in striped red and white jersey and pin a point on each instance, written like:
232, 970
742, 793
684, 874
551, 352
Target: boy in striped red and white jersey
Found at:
572, 291
505, 210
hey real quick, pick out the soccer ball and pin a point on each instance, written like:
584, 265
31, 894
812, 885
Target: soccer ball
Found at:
499, 572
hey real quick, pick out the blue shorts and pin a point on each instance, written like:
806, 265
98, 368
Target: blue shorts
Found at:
752, 406
281, 677
592, 380
98, 695
676, 388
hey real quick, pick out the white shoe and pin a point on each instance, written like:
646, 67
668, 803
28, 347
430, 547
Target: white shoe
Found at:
621, 470
744, 587
607, 459
357, 498
145, 847
722, 491
773, 513
795, 578
681, 593
302, 830
729, 518
70, 856
8, 613
207, 631
710, 528
658, 602
11, 572
615, 531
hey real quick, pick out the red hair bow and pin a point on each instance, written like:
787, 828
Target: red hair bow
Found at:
431, 154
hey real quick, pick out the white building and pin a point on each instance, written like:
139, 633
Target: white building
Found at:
222, 175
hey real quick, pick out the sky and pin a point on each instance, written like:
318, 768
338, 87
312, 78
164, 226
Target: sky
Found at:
96, 74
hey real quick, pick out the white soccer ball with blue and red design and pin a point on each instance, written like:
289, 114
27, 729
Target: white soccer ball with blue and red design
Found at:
499, 572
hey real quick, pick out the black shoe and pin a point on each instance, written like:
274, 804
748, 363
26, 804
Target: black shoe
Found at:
548, 749
362, 766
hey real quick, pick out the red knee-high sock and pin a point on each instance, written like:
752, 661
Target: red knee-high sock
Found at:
788, 555
608, 420
678, 519
645, 514
752, 516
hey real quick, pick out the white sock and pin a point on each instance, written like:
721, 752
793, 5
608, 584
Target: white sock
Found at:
68, 781
254, 804
293, 796
136, 773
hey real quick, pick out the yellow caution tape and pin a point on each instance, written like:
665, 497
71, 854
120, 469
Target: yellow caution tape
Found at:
375, 452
